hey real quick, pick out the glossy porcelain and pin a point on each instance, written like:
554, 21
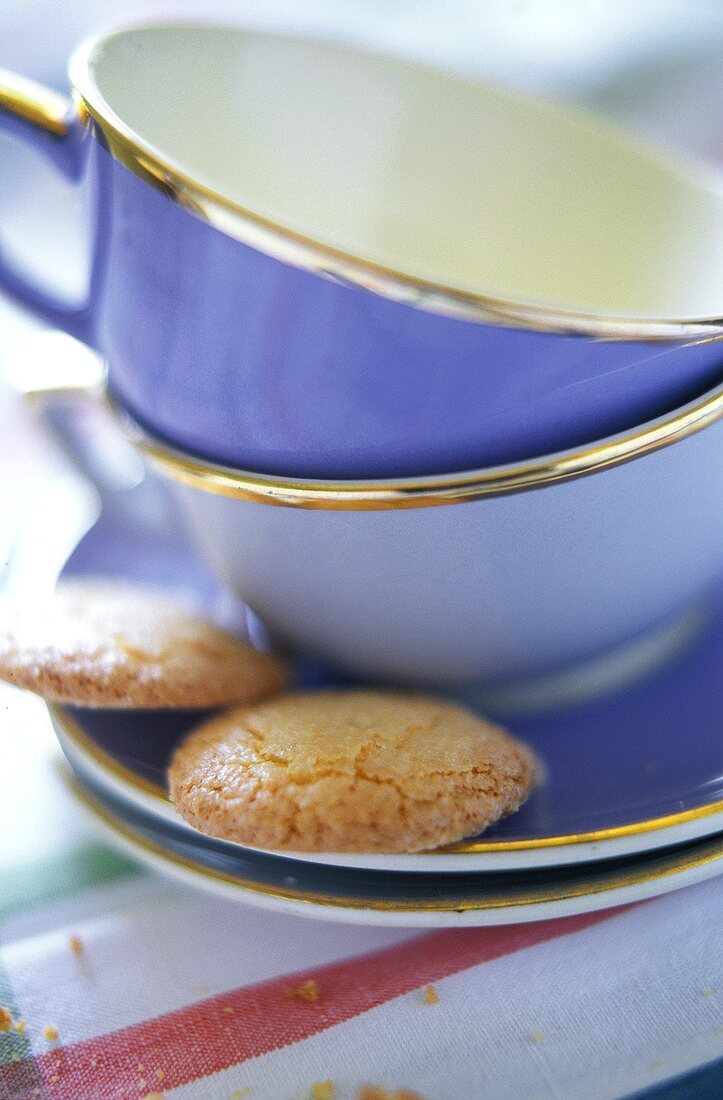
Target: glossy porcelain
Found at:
504, 590
316, 262
376, 898
636, 770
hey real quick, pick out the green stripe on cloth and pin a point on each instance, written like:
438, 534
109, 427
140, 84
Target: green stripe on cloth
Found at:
16, 1054
59, 876
21, 887
14, 1047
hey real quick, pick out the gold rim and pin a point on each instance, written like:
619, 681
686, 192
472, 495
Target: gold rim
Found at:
31, 102
86, 746
665, 867
298, 250
428, 491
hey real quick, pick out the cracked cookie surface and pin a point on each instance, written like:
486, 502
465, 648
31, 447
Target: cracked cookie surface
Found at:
102, 643
349, 771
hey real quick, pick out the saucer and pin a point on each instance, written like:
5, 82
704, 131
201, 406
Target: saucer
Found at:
626, 773
425, 900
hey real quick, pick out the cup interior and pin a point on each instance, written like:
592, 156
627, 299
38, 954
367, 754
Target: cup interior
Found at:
465, 186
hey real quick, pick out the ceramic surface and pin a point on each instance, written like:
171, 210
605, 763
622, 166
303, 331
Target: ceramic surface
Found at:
460, 278
501, 592
637, 769
407, 900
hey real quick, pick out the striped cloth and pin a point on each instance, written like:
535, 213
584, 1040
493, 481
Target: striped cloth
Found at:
155, 989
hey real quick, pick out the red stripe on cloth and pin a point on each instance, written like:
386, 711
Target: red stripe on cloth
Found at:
212, 1035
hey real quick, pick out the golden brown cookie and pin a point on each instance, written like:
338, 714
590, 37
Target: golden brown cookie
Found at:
102, 643
349, 771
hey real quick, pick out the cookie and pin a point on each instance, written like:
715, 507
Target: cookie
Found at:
348, 771
101, 643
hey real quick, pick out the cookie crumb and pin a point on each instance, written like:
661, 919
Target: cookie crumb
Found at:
406, 1094
307, 991
537, 1036
324, 1090
201, 990
154, 1096
19, 1026
430, 995
54, 1078
51, 1033
228, 1009
140, 1068
160, 1075
6, 1018
76, 945
707, 992
238, 1094
16, 1057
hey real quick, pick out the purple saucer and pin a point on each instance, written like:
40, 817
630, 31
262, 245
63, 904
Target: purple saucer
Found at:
647, 757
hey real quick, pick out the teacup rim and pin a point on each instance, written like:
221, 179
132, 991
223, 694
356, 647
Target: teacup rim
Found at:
317, 257
428, 491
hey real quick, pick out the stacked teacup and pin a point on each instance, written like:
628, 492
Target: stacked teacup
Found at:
437, 370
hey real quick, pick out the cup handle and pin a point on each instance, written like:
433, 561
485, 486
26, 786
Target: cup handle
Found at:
46, 121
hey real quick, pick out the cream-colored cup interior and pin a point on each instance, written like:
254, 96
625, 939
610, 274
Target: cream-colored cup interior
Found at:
459, 184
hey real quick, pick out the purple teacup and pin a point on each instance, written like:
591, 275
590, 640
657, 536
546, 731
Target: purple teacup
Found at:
316, 262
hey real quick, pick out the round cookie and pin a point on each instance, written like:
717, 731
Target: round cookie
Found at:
102, 643
351, 771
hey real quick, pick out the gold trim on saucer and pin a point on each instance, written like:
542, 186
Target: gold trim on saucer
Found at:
86, 746
33, 103
665, 866
423, 492
290, 247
